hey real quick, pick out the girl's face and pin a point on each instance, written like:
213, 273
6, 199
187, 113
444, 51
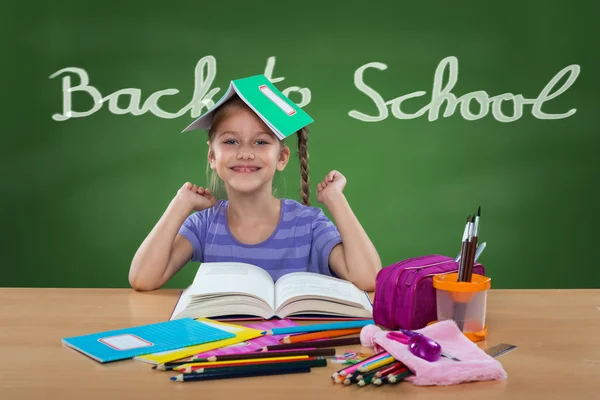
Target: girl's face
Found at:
245, 152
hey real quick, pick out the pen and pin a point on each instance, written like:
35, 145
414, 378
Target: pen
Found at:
480, 249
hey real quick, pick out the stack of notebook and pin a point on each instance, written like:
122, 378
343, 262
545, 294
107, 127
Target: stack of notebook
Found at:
146, 339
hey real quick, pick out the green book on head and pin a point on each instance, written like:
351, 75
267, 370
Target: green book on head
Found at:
280, 114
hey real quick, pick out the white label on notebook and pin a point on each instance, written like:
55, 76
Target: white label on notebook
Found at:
285, 107
125, 342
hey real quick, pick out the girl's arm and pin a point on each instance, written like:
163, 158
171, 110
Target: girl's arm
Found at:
164, 252
355, 259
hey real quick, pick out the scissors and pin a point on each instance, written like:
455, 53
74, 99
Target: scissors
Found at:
420, 345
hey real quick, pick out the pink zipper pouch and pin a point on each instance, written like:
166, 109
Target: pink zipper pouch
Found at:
474, 364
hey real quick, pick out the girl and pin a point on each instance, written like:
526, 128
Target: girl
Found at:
253, 226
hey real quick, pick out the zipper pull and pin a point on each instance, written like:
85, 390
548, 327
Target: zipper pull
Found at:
411, 277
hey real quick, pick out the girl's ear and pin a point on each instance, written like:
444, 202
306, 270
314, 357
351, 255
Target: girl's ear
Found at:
211, 156
284, 157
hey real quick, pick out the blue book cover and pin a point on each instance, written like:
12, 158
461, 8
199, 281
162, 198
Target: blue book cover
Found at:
136, 341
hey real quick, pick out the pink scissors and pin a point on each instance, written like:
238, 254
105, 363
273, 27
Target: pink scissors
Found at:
420, 345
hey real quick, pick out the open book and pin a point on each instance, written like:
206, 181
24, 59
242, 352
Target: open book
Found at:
280, 114
238, 289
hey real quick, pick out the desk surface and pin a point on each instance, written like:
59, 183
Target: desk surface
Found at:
557, 331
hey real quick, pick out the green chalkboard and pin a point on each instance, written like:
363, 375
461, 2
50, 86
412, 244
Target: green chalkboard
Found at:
429, 109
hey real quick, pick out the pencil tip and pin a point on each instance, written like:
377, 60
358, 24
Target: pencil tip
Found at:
173, 378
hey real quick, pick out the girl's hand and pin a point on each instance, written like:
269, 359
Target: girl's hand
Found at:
197, 197
332, 185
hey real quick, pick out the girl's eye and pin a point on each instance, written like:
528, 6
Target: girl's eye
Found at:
261, 142
230, 141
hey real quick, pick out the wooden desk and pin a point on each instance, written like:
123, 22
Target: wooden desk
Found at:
557, 331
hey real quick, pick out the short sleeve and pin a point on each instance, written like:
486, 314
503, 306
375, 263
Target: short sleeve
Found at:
192, 229
325, 236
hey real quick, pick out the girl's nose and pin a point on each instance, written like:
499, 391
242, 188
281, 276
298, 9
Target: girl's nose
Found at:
245, 155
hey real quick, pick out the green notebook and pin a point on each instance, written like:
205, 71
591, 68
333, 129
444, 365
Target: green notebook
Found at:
273, 107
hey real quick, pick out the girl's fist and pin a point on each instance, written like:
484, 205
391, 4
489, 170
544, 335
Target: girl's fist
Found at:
332, 185
197, 197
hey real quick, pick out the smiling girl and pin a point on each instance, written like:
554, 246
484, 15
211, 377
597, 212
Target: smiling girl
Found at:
253, 226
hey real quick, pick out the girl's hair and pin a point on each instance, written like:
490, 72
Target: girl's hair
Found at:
226, 110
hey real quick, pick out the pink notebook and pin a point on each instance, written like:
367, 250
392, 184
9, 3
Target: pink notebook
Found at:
253, 344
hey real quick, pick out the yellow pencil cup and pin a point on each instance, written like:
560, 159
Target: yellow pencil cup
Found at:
463, 302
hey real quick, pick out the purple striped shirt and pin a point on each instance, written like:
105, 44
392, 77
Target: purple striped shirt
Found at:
301, 242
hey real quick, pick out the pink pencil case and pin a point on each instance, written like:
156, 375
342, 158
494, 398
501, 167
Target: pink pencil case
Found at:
474, 364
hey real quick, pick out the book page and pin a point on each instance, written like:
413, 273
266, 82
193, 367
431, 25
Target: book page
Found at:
232, 277
310, 284
183, 301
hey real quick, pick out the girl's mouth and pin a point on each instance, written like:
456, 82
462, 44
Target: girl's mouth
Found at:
245, 169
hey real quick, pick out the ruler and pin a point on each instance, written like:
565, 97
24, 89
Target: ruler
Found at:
499, 349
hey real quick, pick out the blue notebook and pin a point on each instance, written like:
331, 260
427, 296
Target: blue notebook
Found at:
136, 341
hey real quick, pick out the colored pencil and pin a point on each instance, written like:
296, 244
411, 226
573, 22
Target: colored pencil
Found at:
169, 365
351, 378
189, 370
247, 356
268, 354
388, 369
378, 381
320, 335
387, 356
315, 343
191, 366
297, 346
319, 327
350, 369
366, 380
357, 376
376, 364
270, 370
348, 379
400, 375
317, 362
